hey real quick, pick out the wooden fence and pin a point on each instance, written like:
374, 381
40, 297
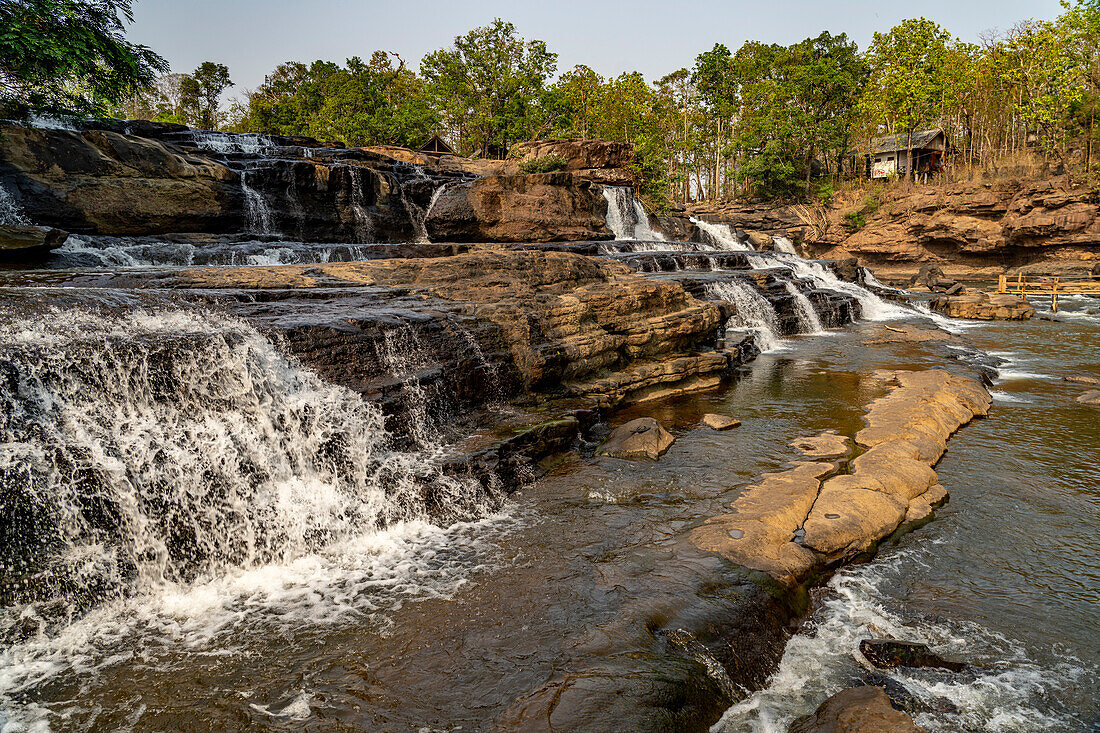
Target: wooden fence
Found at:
1052, 286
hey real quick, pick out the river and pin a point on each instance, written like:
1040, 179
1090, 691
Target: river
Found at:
424, 627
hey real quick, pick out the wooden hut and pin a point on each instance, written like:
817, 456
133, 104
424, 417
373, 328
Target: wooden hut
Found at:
889, 155
436, 147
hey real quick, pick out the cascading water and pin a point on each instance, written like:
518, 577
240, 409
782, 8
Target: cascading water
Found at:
872, 306
172, 474
626, 216
402, 352
226, 143
753, 312
784, 245
259, 213
723, 238
108, 252
808, 321
364, 224
10, 213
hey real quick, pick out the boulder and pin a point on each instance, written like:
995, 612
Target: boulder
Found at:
643, 437
720, 422
760, 240
927, 275
1082, 379
856, 710
1092, 397
979, 305
19, 242
886, 653
601, 161
542, 207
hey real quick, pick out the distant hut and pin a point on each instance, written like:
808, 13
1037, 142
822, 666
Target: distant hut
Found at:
889, 155
436, 147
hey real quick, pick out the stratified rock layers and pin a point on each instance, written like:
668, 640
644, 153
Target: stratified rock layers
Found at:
890, 484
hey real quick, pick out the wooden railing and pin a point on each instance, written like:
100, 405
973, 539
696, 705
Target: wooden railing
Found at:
1052, 286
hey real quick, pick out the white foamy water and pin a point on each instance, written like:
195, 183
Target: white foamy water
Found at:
754, 312
227, 142
626, 216
175, 479
722, 236
786, 246
1007, 692
10, 212
120, 253
808, 322
873, 307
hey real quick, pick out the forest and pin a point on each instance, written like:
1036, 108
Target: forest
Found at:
764, 121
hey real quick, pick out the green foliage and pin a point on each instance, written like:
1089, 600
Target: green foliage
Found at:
488, 87
374, 103
856, 219
201, 91
545, 164
69, 57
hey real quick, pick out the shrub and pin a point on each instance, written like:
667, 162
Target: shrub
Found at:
545, 164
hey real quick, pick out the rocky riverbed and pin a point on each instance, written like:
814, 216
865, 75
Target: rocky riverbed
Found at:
589, 474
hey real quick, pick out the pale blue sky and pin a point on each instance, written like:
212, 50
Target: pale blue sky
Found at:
651, 36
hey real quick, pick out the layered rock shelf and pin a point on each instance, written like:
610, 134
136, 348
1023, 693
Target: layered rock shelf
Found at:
800, 520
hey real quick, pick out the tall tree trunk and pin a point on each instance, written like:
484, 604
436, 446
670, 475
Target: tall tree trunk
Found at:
909, 158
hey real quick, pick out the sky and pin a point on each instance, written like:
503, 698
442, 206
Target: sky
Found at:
654, 37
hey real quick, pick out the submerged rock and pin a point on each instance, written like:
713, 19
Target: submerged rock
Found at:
720, 422
640, 438
856, 710
1082, 379
1092, 397
886, 653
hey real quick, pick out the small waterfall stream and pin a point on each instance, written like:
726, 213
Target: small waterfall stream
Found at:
722, 236
10, 212
259, 213
754, 312
808, 320
626, 216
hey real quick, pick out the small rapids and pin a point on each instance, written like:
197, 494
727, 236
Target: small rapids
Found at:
110, 253
172, 473
1006, 691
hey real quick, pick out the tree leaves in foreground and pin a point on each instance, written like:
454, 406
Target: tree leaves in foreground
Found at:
64, 57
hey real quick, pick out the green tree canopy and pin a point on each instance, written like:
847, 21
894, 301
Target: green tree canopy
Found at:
489, 87
201, 91
69, 57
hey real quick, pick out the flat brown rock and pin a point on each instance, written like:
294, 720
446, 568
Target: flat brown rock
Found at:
640, 438
982, 306
826, 445
856, 710
759, 530
720, 422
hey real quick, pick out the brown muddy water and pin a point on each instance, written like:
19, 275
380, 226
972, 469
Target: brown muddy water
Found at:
419, 628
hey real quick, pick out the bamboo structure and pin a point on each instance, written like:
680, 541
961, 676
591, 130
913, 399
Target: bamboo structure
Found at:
1053, 287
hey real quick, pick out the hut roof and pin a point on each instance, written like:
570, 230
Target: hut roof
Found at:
900, 141
437, 145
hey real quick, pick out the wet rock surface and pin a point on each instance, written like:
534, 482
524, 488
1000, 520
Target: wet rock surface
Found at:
864, 709
640, 438
26, 243
885, 653
720, 422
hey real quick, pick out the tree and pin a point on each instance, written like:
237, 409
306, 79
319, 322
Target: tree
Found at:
488, 87
906, 86
201, 91
577, 93
66, 57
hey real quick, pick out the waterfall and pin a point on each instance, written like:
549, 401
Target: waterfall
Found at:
259, 214
753, 312
111, 252
722, 236
625, 215
364, 224
10, 212
401, 351
808, 322
227, 142
149, 448
784, 245
872, 306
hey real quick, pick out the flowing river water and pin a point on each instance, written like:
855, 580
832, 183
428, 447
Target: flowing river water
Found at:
414, 626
